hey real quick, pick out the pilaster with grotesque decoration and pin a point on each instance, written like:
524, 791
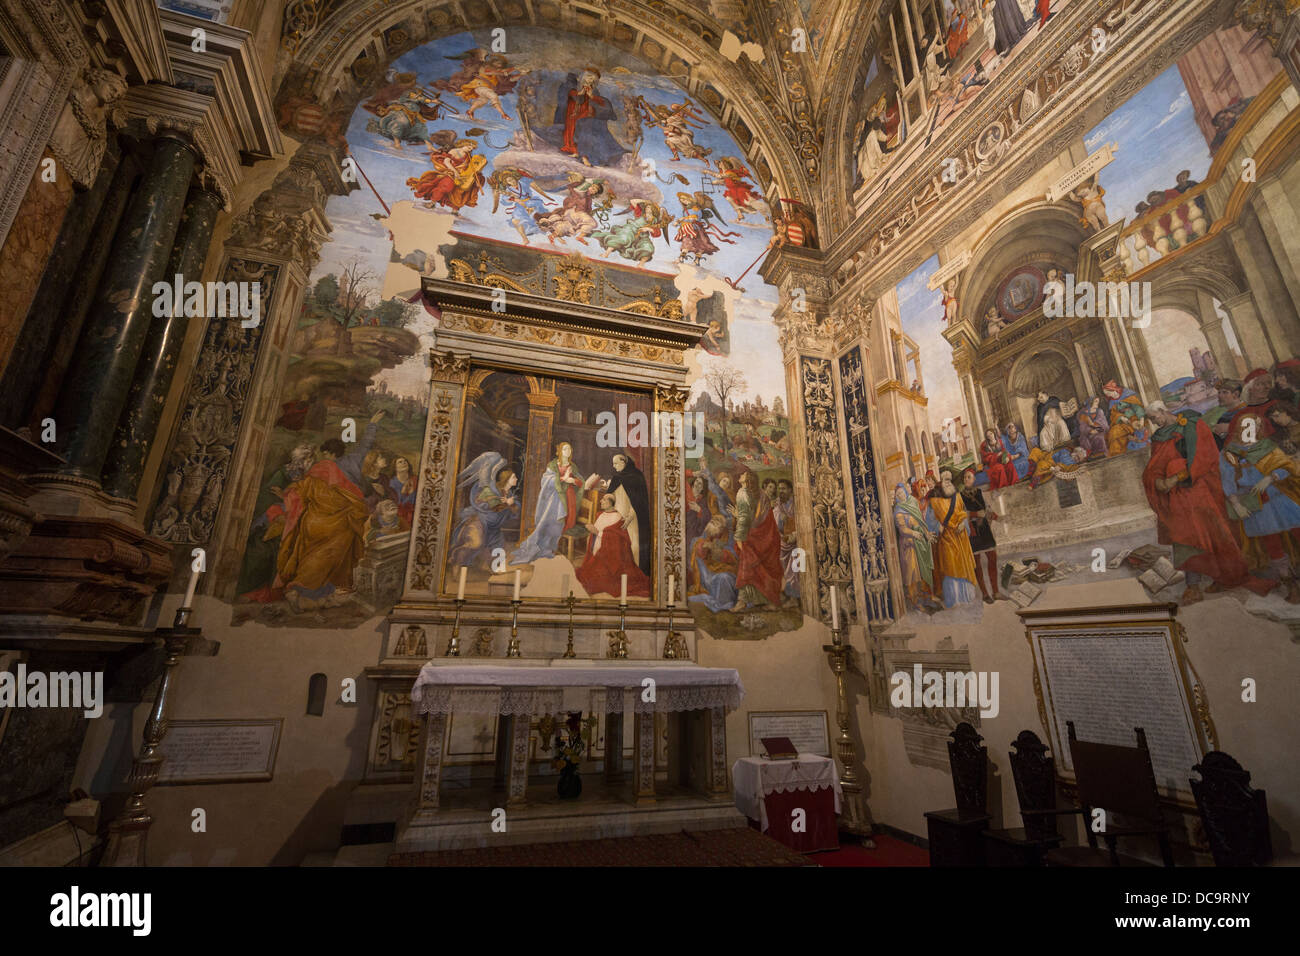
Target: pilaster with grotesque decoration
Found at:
217, 453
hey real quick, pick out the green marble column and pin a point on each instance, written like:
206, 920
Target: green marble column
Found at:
153, 376
95, 388
62, 283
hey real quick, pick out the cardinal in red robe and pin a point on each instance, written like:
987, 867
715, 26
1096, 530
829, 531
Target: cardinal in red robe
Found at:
1183, 486
609, 556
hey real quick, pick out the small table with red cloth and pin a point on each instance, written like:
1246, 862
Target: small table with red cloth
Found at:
769, 791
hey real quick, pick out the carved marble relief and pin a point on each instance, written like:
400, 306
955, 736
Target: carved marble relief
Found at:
209, 425
831, 532
866, 495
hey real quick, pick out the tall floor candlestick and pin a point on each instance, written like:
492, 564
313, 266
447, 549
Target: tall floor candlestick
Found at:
856, 818
128, 834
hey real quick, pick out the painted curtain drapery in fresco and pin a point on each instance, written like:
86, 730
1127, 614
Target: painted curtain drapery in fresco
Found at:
544, 494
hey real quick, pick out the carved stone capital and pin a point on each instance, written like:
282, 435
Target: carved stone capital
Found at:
671, 398
449, 367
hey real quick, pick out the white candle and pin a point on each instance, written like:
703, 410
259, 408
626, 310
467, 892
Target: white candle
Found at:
460, 589
622, 591
672, 581
516, 584
189, 591
835, 609
564, 585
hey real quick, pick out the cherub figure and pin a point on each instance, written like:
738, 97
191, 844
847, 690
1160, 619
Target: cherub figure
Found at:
1088, 195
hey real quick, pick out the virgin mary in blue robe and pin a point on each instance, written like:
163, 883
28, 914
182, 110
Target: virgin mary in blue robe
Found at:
557, 508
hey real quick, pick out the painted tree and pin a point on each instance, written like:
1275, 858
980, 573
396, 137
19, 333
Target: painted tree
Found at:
723, 380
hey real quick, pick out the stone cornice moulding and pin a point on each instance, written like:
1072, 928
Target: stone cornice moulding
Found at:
130, 35
230, 63
1164, 25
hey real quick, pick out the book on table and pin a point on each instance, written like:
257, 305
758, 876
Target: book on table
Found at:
779, 748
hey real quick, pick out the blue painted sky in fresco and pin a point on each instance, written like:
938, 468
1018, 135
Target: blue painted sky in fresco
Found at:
389, 168
1157, 137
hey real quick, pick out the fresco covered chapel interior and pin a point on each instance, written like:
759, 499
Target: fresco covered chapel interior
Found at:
511, 352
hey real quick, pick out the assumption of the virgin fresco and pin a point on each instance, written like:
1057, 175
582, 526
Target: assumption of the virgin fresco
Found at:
557, 147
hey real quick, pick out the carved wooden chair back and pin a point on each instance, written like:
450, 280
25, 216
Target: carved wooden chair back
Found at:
1234, 813
1034, 771
969, 761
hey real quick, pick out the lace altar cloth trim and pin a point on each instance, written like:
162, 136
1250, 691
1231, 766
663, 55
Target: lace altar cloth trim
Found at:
753, 778
486, 689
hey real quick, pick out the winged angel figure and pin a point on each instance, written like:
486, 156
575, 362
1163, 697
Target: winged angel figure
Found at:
492, 502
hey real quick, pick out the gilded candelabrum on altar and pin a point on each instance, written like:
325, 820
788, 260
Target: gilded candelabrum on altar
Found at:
618, 639
675, 646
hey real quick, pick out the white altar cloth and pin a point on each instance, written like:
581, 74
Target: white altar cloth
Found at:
543, 689
753, 778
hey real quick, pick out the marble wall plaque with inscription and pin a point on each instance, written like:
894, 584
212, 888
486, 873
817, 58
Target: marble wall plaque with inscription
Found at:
219, 751
1108, 684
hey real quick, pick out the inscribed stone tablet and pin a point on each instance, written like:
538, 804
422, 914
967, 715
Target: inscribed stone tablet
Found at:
212, 751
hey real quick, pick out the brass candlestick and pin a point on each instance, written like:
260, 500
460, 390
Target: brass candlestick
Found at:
453, 645
128, 833
568, 651
856, 818
618, 639
675, 648
513, 649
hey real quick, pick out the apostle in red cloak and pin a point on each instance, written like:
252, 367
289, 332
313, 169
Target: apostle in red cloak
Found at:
609, 556
758, 547
1183, 486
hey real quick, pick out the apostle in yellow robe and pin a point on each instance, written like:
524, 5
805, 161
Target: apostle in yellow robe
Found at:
954, 562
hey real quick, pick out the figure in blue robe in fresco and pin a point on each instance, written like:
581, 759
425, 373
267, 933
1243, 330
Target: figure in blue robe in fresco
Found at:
1018, 449
492, 503
558, 495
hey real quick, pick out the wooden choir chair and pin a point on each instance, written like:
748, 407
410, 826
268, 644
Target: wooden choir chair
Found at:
1120, 781
1234, 813
955, 834
1034, 771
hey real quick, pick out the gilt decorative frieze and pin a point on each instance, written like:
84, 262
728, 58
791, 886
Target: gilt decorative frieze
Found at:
526, 332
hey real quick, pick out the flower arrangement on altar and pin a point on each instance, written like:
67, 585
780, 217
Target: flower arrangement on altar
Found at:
569, 746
